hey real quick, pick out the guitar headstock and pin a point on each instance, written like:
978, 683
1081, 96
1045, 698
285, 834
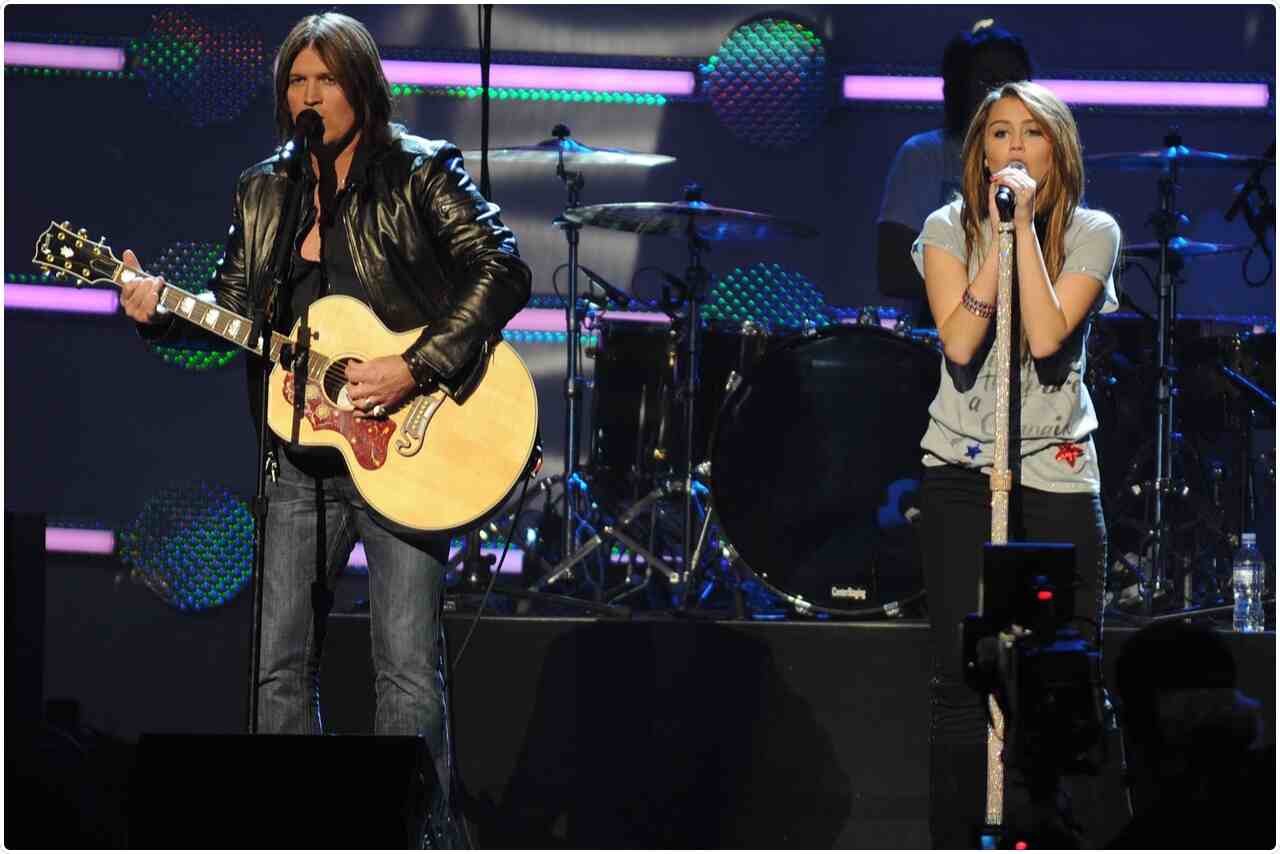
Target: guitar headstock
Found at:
64, 253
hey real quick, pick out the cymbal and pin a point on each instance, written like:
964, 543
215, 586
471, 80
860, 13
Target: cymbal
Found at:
549, 150
1186, 158
675, 219
1181, 247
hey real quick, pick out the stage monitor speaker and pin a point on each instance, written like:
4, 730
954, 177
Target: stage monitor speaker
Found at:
279, 791
24, 595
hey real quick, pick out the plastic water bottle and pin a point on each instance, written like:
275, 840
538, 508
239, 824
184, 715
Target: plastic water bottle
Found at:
1248, 577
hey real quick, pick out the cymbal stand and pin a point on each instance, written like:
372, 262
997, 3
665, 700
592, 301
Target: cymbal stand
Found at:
694, 288
697, 281
1165, 223
572, 482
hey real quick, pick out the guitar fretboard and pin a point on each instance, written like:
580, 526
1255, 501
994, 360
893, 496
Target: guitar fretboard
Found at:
67, 253
234, 328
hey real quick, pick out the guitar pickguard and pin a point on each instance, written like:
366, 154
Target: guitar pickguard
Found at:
368, 437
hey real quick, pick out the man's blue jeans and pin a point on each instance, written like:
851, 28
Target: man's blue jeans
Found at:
406, 581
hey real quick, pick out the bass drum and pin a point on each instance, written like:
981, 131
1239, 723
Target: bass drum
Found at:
815, 468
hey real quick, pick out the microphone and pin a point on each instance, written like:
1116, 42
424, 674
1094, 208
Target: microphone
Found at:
308, 128
1005, 200
1245, 189
614, 294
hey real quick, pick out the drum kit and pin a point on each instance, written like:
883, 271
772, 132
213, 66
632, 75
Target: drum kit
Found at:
717, 467
778, 464
1172, 520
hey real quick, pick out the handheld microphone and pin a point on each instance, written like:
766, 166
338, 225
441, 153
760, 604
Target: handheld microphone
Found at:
615, 295
1005, 200
308, 128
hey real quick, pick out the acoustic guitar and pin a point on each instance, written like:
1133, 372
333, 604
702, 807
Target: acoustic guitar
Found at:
433, 463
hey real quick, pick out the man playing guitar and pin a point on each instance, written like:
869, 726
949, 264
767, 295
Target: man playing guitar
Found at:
394, 222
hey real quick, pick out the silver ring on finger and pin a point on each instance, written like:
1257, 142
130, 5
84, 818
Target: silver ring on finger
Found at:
378, 411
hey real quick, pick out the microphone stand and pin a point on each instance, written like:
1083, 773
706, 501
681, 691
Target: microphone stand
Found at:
1001, 485
281, 265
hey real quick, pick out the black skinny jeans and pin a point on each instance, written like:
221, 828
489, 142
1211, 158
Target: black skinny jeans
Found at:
955, 506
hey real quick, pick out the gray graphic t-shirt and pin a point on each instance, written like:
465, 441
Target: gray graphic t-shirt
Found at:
1058, 419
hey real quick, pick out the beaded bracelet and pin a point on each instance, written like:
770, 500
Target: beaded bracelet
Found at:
985, 310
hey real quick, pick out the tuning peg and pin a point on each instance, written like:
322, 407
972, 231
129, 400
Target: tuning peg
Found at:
83, 233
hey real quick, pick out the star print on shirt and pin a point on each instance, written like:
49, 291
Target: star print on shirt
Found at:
1069, 452
973, 451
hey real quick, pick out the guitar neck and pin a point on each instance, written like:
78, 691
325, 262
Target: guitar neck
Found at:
232, 327
66, 253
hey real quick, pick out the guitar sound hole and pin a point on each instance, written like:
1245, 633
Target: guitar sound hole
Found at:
335, 380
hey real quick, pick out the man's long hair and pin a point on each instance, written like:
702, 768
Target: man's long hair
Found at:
351, 55
1059, 192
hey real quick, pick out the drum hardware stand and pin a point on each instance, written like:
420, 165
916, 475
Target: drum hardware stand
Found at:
573, 182
1165, 223
729, 552
694, 289
577, 518
616, 533
575, 488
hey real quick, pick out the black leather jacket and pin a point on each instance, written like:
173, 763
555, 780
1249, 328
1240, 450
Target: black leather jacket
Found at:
427, 247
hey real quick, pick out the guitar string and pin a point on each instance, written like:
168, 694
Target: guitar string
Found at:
334, 371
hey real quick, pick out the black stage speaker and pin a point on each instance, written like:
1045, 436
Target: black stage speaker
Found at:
24, 595
279, 791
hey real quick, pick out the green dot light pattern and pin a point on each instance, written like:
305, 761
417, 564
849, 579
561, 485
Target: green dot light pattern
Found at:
193, 67
768, 296
192, 545
526, 336
190, 265
768, 83
70, 73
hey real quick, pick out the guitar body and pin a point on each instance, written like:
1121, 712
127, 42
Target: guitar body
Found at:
431, 464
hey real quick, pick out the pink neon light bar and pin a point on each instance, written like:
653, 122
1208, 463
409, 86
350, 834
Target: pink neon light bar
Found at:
541, 77
1116, 93
538, 320
1141, 93
79, 541
553, 319
52, 298
872, 87
79, 57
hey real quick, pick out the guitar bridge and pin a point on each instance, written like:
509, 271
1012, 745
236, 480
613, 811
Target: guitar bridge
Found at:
413, 430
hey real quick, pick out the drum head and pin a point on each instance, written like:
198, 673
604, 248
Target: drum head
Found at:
816, 465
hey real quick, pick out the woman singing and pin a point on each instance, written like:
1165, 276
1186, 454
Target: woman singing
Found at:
1065, 254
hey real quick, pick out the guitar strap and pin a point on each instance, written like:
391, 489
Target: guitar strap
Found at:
326, 155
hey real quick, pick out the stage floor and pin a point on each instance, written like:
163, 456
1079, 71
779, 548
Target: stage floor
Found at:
658, 733
589, 733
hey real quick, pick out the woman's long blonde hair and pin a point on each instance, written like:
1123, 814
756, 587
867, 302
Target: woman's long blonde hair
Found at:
1058, 193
